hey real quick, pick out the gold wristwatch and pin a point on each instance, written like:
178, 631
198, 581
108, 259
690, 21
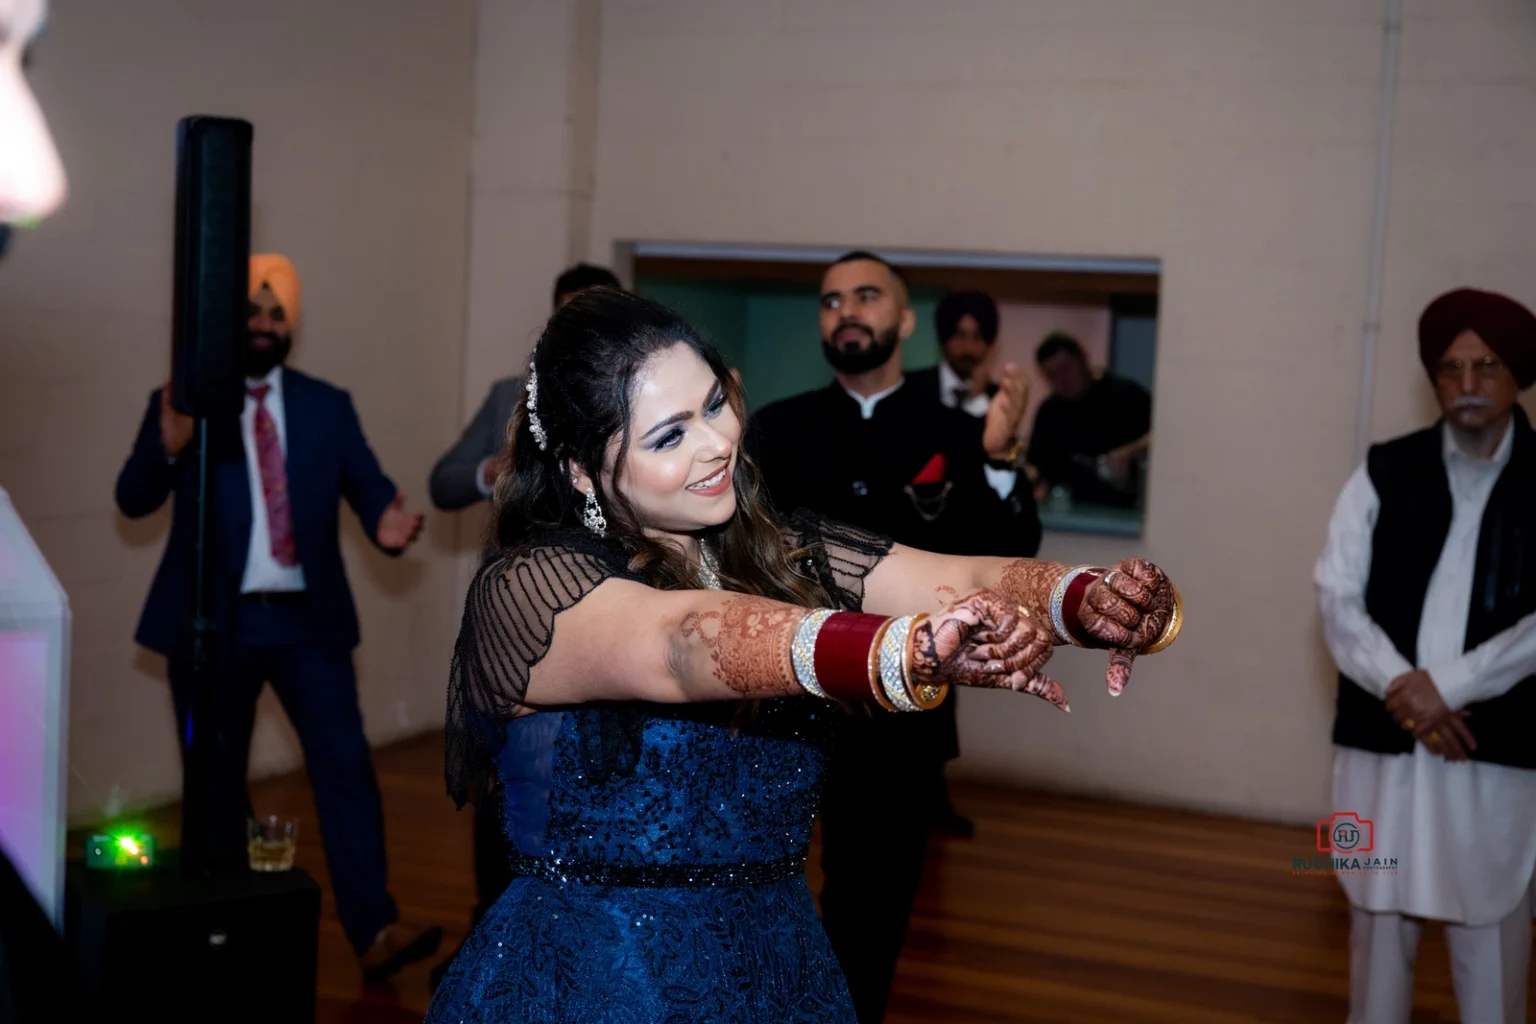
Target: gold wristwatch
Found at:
1009, 461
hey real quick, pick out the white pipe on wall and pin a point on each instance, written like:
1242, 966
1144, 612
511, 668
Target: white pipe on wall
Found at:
1391, 29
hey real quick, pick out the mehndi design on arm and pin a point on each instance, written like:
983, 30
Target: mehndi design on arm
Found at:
749, 640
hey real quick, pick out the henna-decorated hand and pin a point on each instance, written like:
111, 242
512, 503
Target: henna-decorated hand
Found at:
984, 641
1127, 609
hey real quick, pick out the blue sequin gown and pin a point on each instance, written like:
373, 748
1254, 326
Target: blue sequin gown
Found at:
659, 849
672, 894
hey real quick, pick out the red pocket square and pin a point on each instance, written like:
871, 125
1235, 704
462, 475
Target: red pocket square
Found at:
933, 473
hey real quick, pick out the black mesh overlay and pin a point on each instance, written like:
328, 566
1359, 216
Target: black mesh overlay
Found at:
509, 623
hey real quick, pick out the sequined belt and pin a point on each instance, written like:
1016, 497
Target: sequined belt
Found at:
661, 876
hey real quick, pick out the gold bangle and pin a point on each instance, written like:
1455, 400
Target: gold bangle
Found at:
1171, 630
926, 696
1015, 450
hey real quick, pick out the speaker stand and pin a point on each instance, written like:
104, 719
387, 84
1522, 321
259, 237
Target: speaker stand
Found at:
213, 806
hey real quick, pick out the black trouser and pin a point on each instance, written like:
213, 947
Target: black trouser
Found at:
874, 831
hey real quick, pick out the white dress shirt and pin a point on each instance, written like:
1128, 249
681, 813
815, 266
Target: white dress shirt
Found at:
1463, 833
262, 573
1001, 480
950, 386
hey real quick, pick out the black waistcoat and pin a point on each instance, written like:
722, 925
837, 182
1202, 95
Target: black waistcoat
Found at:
1409, 476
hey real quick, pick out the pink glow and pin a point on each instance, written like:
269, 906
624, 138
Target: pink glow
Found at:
25, 821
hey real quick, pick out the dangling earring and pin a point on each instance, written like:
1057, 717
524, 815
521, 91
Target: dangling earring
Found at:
592, 515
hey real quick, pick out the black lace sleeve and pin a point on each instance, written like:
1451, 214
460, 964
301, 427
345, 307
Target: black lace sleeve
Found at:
841, 556
509, 621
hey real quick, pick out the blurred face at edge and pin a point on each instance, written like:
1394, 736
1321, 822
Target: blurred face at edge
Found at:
31, 177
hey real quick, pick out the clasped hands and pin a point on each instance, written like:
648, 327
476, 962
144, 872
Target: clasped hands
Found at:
1415, 703
985, 640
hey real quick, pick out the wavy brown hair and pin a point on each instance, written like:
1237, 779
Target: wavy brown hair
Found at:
586, 361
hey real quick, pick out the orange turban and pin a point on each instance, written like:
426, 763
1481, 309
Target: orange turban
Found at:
278, 274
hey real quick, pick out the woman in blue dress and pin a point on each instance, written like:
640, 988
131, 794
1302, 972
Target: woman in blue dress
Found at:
652, 668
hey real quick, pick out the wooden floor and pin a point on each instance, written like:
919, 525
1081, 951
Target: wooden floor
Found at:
1059, 910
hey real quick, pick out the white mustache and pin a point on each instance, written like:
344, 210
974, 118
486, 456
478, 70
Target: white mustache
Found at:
1472, 402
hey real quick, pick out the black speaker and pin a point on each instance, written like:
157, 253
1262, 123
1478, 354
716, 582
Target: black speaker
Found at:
239, 948
213, 252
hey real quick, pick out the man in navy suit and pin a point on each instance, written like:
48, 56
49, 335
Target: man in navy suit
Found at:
279, 597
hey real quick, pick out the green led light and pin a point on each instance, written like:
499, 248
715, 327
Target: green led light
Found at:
130, 851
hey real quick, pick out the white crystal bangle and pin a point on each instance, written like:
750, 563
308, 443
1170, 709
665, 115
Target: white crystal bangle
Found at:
803, 651
1058, 596
893, 664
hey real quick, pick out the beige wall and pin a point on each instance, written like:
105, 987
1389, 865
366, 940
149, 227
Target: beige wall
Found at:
1463, 203
531, 187
1234, 141
431, 181
361, 111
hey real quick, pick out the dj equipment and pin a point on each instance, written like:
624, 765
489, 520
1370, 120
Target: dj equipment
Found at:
212, 273
193, 935
212, 254
237, 948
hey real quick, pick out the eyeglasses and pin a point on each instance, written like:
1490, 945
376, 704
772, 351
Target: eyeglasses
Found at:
1486, 368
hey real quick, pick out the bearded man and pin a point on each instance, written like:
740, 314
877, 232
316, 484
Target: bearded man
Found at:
280, 600
877, 451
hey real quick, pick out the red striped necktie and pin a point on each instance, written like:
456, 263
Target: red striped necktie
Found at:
274, 481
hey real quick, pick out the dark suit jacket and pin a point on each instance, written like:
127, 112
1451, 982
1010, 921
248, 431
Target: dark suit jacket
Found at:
453, 485
328, 460
817, 452
926, 383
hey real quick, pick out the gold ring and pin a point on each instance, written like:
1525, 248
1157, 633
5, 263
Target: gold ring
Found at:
1434, 738
1408, 724
1175, 623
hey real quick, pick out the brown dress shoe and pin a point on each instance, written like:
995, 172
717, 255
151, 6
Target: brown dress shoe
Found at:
398, 944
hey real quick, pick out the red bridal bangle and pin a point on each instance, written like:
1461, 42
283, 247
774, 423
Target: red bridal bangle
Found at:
846, 649
1072, 603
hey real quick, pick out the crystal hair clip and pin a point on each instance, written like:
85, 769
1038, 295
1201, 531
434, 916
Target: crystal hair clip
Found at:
533, 409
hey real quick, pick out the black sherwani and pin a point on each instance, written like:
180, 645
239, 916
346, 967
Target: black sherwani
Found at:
818, 452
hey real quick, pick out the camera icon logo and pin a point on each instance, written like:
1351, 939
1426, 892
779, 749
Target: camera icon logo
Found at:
1346, 832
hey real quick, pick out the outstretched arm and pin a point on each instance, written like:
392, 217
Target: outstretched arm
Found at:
627, 641
372, 495
624, 641
1125, 610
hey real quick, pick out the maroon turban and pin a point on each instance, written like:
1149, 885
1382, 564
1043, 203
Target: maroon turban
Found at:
1504, 325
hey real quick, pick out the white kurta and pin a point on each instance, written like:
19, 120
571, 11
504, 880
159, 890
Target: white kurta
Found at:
1463, 833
